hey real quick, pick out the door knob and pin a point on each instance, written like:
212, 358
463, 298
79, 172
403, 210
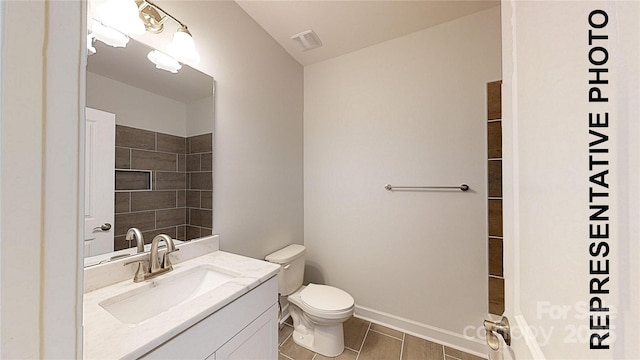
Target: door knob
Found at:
501, 327
103, 227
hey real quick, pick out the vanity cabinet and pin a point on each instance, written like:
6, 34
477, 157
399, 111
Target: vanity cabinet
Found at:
257, 341
247, 328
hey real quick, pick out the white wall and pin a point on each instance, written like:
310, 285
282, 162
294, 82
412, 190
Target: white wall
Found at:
260, 115
546, 125
136, 107
200, 117
41, 176
257, 201
410, 111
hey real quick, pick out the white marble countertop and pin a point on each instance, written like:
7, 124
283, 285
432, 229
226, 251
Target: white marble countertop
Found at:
105, 337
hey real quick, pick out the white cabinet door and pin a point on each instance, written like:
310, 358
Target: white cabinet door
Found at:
252, 310
259, 340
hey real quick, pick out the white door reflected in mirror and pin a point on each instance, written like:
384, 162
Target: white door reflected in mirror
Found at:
99, 182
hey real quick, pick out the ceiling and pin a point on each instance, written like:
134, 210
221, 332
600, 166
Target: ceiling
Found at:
343, 26
346, 26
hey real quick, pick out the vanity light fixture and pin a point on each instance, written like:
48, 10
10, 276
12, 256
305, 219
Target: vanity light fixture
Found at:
122, 15
116, 19
164, 61
107, 35
182, 47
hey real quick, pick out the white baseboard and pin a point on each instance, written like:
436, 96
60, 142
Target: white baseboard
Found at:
535, 352
431, 333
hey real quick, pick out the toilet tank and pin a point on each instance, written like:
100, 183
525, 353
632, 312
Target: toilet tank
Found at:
291, 260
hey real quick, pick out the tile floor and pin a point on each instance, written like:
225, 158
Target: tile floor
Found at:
364, 340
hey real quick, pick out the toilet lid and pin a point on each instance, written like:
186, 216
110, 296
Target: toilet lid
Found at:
325, 297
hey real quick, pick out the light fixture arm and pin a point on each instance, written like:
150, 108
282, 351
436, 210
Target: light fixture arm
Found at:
145, 3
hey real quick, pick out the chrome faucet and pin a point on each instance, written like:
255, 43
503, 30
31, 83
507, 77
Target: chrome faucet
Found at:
135, 233
155, 266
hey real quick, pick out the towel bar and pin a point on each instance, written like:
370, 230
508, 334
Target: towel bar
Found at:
463, 187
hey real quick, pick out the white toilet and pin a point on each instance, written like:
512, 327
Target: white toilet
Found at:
318, 311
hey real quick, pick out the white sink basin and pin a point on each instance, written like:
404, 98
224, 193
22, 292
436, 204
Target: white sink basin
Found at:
162, 294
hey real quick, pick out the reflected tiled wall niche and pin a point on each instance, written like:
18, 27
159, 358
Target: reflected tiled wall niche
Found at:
494, 193
163, 185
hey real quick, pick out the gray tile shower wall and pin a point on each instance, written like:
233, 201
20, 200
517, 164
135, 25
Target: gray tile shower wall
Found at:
199, 186
163, 184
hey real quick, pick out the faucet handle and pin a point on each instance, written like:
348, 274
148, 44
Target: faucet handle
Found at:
166, 261
140, 271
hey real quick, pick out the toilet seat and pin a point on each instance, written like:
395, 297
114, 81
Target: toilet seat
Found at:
326, 298
317, 296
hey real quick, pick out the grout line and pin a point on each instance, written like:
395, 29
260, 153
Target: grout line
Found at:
285, 340
496, 277
285, 355
363, 340
387, 335
402, 345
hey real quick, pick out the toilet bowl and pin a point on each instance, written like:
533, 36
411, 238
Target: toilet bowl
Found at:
318, 311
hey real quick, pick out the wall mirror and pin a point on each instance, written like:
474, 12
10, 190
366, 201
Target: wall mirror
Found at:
149, 151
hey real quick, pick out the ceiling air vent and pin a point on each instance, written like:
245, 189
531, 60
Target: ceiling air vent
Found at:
307, 39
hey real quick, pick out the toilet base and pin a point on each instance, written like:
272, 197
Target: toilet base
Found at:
324, 340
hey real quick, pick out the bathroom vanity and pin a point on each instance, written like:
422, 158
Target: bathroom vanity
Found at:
213, 305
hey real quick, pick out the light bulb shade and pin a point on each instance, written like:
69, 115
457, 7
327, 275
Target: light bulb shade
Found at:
164, 61
183, 48
121, 15
108, 35
90, 49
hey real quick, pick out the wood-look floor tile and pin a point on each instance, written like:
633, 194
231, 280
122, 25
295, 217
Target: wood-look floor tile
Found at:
420, 349
457, 354
151, 160
494, 176
347, 354
380, 347
354, 331
284, 333
295, 351
135, 138
495, 257
171, 143
494, 140
200, 143
496, 296
387, 331
495, 217
494, 100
